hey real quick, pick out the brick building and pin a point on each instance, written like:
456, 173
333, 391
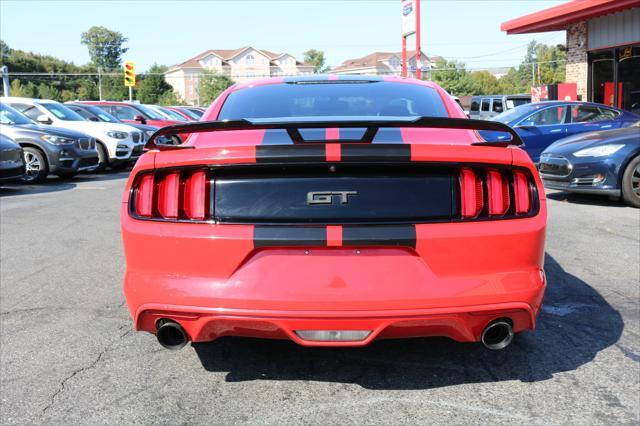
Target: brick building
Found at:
603, 47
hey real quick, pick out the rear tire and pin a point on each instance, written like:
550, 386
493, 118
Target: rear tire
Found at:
37, 167
103, 157
631, 183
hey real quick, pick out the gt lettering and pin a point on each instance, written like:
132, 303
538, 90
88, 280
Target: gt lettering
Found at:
327, 197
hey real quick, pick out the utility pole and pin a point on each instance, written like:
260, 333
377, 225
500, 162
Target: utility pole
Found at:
533, 74
99, 83
418, 47
5, 80
130, 94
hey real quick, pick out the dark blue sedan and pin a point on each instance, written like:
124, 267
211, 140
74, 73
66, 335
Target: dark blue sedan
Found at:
605, 162
542, 123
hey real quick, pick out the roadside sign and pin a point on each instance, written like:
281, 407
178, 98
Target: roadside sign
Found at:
408, 17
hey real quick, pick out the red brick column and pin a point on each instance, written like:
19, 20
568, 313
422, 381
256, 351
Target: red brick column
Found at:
577, 67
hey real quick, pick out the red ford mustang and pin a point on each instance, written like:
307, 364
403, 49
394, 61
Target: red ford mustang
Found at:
332, 212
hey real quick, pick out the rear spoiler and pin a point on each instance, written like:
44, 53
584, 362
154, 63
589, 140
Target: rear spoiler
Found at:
293, 126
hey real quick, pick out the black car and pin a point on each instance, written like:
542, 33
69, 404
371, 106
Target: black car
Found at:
48, 149
604, 162
11, 160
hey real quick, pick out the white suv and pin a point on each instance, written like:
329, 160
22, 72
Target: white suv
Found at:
117, 144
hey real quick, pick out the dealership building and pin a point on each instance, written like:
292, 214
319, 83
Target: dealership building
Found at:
603, 47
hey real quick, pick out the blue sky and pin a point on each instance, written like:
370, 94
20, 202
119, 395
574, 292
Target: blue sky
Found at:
170, 31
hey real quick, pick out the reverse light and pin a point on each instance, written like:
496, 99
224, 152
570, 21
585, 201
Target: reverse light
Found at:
599, 151
176, 195
333, 335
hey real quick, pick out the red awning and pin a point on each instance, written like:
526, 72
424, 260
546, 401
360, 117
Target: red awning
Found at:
558, 17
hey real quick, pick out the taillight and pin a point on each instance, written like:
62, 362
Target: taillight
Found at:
497, 193
494, 193
471, 193
174, 195
522, 192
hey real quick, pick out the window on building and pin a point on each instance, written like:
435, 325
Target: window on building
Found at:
629, 78
250, 59
602, 78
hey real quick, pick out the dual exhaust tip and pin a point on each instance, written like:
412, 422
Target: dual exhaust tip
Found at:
171, 335
497, 335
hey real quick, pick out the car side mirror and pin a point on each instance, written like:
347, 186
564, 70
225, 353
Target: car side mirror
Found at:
140, 119
43, 119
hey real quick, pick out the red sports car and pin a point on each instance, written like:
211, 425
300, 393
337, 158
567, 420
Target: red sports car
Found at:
333, 211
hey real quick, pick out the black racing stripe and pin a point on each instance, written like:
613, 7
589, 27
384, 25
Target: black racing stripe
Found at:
376, 152
289, 236
290, 153
402, 235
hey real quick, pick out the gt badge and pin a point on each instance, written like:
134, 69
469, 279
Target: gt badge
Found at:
327, 197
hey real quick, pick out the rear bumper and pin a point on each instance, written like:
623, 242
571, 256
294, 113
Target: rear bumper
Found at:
462, 324
389, 292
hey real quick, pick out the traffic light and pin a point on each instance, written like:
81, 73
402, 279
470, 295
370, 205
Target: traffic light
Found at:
129, 74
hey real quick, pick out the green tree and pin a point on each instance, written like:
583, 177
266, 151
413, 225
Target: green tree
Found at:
105, 47
46, 91
169, 98
453, 77
211, 85
316, 58
153, 86
484, 83
545, 63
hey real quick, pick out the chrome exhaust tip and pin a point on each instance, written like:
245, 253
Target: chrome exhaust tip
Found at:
497, 335
171, 335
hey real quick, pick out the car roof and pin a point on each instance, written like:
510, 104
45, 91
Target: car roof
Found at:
331, 78
28, 100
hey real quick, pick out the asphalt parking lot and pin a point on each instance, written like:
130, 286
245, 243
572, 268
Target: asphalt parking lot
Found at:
69, 355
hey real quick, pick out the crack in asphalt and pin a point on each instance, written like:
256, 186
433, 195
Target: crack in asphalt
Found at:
74, 373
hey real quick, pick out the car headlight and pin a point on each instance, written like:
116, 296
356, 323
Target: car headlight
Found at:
117, 135
57, 140
598, 151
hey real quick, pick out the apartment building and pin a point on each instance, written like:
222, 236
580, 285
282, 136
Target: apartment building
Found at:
241, 64
384, 63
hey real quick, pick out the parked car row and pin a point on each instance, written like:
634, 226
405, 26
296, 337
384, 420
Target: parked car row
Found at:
65, 139
580, 146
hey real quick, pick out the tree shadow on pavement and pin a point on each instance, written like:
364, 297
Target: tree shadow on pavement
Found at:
574, 325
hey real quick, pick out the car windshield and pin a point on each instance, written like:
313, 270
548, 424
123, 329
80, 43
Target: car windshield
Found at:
513, 114
62, 112
149, 113
9, 115
172, 114
191, 113
102, 114
343, 99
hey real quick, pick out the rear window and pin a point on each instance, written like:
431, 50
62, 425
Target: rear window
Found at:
514, 102
338, 99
